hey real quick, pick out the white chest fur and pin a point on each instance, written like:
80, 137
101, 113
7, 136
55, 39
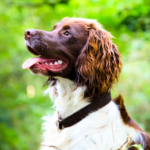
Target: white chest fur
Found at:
101, 130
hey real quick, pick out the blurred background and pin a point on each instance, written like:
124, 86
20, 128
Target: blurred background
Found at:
22, 103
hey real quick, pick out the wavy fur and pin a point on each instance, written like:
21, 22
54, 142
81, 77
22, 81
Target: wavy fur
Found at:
99, 63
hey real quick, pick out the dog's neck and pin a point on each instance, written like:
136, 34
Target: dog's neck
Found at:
67, 96
97, 126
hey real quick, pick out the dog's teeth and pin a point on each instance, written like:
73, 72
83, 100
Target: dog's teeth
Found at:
60, 61
56, 63
46, 63
51, 63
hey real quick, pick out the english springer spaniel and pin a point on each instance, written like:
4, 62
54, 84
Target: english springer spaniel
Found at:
82, 64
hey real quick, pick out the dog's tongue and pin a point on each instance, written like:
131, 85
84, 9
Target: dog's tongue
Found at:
43, 64
31, 61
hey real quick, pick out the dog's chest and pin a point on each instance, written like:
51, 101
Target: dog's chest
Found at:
97, 131
101, 130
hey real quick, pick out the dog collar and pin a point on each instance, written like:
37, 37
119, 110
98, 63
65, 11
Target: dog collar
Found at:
96, 104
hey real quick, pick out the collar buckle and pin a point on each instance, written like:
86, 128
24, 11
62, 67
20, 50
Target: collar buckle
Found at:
57, 125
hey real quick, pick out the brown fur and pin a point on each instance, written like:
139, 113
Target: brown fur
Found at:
99, 63
130, 122
93, 58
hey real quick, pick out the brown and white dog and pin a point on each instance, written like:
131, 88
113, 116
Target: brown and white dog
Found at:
82, 63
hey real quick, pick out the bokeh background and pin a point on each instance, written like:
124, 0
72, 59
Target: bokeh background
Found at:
22, 103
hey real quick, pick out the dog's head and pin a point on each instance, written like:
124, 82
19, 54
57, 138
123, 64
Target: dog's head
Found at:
78, 49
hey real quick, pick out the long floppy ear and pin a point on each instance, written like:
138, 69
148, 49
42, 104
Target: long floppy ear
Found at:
98, 65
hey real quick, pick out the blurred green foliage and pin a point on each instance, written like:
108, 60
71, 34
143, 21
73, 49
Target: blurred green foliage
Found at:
20, 109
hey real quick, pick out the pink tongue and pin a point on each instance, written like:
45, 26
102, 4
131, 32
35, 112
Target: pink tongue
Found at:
31, 61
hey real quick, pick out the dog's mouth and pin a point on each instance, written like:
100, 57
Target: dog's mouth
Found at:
55, 65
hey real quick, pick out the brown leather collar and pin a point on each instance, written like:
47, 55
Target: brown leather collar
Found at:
84, 112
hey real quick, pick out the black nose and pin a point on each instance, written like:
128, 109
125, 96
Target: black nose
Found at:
28, 33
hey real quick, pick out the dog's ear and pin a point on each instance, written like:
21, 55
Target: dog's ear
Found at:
98, 65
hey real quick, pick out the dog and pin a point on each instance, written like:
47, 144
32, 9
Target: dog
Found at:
82, 65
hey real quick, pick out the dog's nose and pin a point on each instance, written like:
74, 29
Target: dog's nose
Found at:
28, 33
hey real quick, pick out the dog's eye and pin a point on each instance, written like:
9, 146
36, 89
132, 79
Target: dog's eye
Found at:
66, 33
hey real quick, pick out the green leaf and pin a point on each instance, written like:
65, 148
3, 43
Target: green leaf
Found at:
138, 146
